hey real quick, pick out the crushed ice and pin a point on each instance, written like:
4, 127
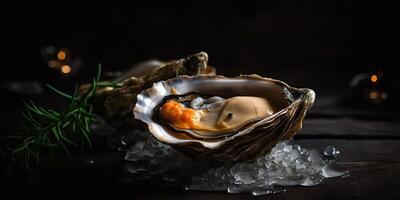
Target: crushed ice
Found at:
285, 165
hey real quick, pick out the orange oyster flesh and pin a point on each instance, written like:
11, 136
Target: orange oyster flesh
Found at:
230, 115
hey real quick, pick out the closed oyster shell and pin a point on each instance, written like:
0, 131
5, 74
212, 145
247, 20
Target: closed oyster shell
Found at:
247, 143
115, 104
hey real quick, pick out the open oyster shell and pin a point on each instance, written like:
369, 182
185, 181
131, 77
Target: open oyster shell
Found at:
244, 144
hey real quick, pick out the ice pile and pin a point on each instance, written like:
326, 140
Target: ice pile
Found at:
149, 158
285, 165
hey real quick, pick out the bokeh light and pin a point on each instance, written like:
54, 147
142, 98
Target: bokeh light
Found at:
66, 69
61, 55
374, 78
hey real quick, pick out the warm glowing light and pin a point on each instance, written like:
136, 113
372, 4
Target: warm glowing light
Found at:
65, 69
374, 78
373, 95
61, 55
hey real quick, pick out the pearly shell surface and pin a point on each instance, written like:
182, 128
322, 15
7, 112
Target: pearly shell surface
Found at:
245, 144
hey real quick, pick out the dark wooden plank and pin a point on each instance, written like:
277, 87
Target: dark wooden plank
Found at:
358, 150
374, 167
334, 104
368, 180
349, 126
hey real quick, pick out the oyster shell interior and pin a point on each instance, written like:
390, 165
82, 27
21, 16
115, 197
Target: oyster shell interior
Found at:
213, 117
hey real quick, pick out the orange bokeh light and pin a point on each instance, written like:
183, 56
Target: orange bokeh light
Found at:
374, 78
61, 55
373, 95
66, 69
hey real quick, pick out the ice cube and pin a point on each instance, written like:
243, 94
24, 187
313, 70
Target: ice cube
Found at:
140, 145
244, 177
135, 169
234, 189
262, 191
297, 147
262, 173
131, 157
244, 173
331, 170
331, 151
294, 154
311, 180
287, 148
286, 163
315, 160
268, 164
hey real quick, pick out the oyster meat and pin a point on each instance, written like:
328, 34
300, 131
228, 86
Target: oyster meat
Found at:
216, 117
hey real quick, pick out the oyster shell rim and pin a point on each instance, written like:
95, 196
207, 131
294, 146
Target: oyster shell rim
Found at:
168, 139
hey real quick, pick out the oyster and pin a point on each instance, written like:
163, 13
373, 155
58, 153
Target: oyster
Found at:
116, 103
227, 119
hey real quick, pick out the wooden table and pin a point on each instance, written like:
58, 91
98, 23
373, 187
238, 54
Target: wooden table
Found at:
368, 141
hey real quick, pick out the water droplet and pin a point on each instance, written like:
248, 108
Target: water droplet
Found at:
90, 162
260, 192
331, 151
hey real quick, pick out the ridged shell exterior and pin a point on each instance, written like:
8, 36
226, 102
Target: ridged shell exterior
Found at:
115, 104
246, 144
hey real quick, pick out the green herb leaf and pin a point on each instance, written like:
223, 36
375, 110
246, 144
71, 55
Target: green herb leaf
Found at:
47, 129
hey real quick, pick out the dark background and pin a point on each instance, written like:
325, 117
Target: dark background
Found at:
318, 44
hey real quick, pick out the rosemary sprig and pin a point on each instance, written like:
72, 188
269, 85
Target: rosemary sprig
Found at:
50, 130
